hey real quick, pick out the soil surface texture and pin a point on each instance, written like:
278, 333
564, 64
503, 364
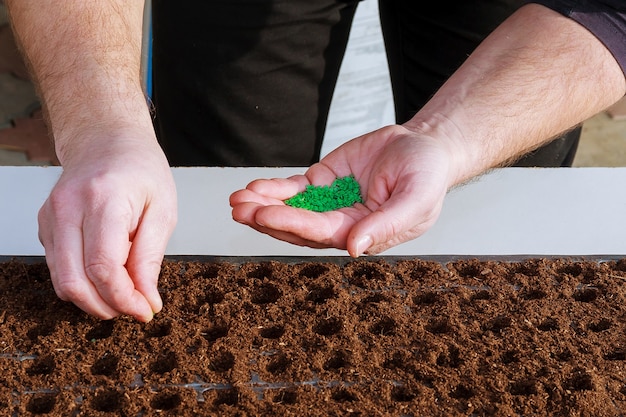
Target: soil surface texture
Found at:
370, 337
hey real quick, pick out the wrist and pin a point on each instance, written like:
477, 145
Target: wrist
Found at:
102, 138
78, 128
451, 139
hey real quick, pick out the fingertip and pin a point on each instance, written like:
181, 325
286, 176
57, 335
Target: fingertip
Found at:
145, 318
148, 301
143, 312
361, 246
155, 301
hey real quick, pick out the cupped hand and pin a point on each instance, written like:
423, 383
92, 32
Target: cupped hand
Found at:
404, 177
105, 227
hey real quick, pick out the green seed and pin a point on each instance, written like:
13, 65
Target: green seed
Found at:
343, 192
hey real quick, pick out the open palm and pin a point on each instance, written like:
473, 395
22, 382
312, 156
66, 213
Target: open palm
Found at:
403, 176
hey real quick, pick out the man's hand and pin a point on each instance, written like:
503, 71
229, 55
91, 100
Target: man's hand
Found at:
105, 227
106, 223
404, 178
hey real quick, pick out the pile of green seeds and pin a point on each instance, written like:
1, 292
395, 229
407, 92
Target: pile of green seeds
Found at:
343, 192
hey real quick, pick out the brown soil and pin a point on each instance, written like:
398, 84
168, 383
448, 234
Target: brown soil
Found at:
367, 337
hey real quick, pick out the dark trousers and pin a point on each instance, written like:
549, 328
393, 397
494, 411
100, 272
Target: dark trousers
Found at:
249, 82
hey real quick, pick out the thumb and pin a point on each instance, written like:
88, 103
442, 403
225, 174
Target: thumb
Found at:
396, 221
146, 257
145, 275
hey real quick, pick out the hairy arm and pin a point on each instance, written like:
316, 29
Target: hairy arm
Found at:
538, 75
106, 222
85, 59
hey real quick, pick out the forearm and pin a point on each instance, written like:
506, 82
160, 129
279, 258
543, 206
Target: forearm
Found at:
85, 58
536, 76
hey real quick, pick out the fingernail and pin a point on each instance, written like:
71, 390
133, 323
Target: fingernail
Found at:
363, 245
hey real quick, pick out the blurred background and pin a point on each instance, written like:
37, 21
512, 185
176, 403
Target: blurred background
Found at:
362, 102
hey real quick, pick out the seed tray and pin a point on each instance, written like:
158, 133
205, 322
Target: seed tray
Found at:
327, 336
